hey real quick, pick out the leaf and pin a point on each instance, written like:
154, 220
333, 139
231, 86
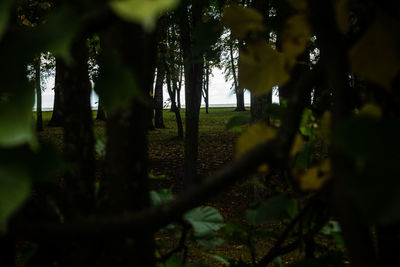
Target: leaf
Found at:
161, 196
371, 110
204, 220
242, 21
236, 121
256, 134
5, 7
116, 84
295, 36
298, 145
219, 258
143, 12
14, 189
314, 178
16, 122
276, 208
261, 68
375, 56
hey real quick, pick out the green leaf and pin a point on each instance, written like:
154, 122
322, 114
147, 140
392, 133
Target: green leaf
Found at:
14, 189
144, 12
276, 208
219, 258
161, 196
204, 220
116, 84
5, 6
16, 121
237, 121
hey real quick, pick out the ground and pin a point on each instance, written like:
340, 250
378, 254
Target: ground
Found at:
216, 145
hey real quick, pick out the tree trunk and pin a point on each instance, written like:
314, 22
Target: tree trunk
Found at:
101, 115
239, 92
126, 180
78, 129
206, 86
158, 94
194, 66
259, 103
178, 92
39, 119
174, 108
57, 118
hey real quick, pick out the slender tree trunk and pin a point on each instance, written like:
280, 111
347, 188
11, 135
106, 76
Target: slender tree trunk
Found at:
206, 86
174, 108
194, 66
57, 118
101, 115
126, 180
178, 92
239, 92
158, 94
39, 119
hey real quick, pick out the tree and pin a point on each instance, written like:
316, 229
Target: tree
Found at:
39, 120
57, 117
193, 69
354, 182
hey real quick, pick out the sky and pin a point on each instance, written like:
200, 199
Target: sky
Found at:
220, 92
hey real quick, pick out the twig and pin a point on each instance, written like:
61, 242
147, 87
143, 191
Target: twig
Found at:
181, 244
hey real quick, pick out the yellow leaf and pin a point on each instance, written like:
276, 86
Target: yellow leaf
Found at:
242, 21
144, 12
26, 22
298, 145
342, 15
314, 178
375, 56
261, 68
295, 36
256, 134
371, 110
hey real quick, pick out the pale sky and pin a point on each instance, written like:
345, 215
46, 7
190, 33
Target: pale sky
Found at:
220, 92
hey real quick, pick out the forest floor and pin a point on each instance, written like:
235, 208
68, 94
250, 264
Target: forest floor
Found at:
216, 148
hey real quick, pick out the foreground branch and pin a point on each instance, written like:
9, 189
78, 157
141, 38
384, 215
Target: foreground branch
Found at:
273, 152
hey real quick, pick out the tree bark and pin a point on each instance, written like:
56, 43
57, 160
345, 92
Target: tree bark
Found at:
78, 128
57, 118
39, 119
126, 180
206, 86
239, 92
101, 115
158, 94
194, 66
259, 103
